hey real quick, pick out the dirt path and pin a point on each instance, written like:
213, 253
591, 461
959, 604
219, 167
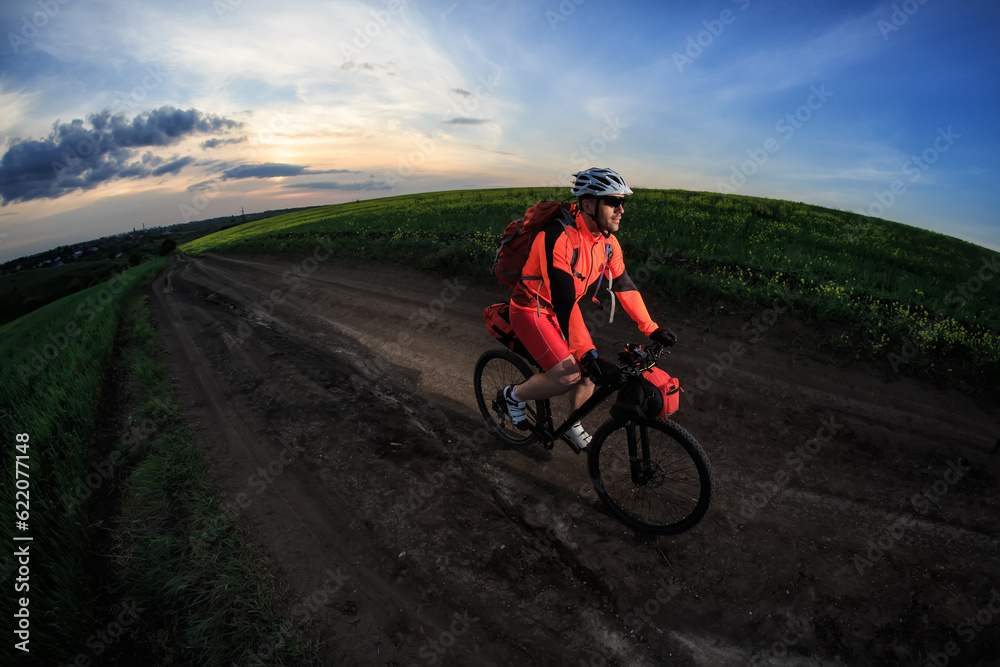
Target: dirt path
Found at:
856, 520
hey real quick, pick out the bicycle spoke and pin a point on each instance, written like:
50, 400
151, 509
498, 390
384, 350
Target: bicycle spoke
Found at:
495, 370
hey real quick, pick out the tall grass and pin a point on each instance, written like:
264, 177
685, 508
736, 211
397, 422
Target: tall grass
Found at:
52, 363
198, 606
211, 593
906, 297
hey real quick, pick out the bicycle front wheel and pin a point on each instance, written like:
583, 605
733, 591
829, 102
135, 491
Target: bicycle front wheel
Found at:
496, 369
653, 476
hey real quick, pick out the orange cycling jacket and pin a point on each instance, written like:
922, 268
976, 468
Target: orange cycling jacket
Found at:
564, 261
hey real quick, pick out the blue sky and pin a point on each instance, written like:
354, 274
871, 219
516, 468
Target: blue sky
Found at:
115, 114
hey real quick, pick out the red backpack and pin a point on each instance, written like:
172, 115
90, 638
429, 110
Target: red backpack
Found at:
520, 234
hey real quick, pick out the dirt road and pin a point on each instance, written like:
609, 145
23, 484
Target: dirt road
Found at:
855, 522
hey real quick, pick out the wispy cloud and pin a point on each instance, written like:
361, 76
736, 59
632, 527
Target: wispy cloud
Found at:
358, 186
465, 121
215, 142
276, 170
173, 167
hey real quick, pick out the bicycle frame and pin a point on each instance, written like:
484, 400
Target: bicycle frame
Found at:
548, 435
543, 429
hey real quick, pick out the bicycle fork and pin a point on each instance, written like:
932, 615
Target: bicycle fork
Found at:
641, 467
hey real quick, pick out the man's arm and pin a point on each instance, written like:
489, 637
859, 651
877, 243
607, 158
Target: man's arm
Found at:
562, 289
563, 294
627, 293
633, 304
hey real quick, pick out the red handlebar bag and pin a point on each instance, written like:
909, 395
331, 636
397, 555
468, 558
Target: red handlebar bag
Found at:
669, 387
648, 396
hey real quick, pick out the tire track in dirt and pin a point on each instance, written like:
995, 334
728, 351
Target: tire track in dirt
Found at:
393, 482
244, 443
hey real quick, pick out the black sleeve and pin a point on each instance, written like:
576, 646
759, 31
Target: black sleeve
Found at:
561, 285
563, 297
623, 283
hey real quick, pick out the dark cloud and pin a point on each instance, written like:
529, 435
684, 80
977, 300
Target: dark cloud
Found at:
77, 157
327, 185
465, 121
215, 142
276, 170
204, 185
173, 167
462, 91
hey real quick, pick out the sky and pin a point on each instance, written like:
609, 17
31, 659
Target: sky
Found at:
118, 114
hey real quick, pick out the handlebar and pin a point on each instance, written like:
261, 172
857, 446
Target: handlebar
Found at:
636, 359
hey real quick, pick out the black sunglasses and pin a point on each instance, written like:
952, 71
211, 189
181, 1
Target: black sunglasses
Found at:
614, 201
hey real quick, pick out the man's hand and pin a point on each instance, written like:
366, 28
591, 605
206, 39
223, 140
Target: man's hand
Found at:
663, 336
602, 372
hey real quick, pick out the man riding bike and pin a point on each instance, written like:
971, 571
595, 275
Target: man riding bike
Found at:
564, 261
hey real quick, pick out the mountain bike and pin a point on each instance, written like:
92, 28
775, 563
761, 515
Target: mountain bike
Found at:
650, 472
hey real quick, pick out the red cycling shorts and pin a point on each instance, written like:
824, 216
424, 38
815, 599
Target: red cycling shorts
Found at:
540, 333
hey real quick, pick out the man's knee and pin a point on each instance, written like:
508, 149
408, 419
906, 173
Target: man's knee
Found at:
570, 380
566, 373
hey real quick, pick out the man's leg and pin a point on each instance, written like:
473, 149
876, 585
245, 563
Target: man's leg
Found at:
580, 392
561, 378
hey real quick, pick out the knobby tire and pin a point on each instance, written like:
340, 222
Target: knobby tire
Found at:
495, 369
665, 489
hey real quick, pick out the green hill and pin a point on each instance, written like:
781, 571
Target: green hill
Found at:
916, 300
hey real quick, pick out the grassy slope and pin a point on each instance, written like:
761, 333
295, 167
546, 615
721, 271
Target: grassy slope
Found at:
205, 592
22, 293
906, 297
53, 361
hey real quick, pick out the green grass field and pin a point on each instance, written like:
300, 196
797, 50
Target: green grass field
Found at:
919, 302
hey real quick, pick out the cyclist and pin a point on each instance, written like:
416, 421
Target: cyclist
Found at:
564, 261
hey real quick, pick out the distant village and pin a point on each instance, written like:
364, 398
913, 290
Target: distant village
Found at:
106, 247
131, 246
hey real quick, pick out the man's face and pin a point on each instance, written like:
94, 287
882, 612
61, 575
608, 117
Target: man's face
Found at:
608, 213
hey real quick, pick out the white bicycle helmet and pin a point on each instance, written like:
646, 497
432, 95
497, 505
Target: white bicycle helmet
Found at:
599, 182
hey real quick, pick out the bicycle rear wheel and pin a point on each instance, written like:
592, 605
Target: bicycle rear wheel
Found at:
653, 476
496, 369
